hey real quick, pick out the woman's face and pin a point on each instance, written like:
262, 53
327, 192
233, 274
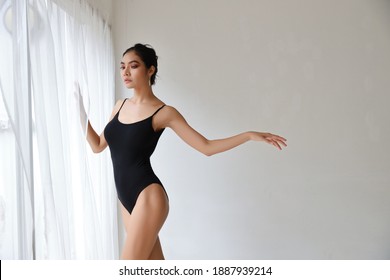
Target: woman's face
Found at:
134, 72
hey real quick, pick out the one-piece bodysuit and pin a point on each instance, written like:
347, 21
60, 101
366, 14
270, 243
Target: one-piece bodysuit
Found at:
131, 147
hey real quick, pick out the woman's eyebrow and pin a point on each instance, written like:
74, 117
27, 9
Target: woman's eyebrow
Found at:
130, 62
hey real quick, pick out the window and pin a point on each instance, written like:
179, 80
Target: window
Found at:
52, 205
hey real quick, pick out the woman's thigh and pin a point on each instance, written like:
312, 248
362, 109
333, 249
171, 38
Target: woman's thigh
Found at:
145, 222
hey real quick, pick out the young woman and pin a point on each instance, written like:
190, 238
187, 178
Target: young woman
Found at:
132, 133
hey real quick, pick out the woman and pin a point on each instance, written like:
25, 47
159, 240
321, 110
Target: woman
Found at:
132, 134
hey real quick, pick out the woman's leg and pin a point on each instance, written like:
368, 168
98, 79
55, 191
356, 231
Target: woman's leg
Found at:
157, 253
144, 224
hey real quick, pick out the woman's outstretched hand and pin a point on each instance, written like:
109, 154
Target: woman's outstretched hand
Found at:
269, 138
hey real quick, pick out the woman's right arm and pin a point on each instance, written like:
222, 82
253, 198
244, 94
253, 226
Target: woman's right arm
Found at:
98, 142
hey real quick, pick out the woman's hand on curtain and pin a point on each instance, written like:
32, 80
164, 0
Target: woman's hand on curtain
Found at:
82, 112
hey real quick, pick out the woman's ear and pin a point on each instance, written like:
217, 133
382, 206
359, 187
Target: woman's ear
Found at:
151, 71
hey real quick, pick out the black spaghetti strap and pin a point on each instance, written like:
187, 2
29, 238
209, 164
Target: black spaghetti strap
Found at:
122, 104
158, 110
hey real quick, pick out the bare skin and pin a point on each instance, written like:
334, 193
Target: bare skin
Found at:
151, 209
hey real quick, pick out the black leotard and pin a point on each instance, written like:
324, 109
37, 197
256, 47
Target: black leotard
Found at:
131, 146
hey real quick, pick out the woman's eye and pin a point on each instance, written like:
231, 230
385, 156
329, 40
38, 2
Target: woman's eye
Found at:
122, 67
134, 66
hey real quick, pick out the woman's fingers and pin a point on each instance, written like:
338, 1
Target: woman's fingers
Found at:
276, 140
273, 139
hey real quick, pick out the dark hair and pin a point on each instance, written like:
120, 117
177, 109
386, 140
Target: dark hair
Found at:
147, 55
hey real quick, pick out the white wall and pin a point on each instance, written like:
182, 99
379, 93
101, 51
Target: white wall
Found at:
315, 72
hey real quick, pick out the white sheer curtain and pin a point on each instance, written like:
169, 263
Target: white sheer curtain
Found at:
57, 199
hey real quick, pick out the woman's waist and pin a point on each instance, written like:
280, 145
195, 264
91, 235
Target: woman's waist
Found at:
134, 176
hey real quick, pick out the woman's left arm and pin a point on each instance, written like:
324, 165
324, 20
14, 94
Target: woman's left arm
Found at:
175, 121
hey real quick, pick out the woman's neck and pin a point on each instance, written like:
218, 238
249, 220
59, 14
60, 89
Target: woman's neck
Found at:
142, 95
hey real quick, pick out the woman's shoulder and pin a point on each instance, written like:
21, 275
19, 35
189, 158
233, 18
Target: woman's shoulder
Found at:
169, 110
117, 106
119, 102
169, 115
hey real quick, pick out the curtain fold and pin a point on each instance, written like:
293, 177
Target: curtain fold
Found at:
17, 169
65, 195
